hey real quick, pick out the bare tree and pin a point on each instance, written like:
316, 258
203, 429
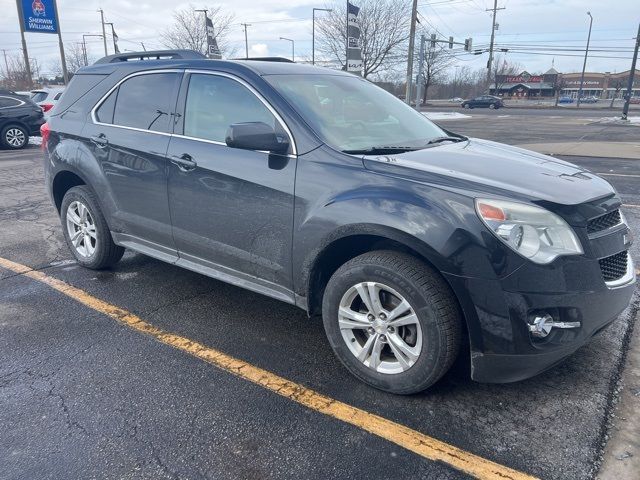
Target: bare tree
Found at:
384, 32
14, 73
436, 62
188, 30
617, 86
74, 56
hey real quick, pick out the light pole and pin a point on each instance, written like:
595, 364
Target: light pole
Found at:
293, 47
84, 47
584, 65
313, 32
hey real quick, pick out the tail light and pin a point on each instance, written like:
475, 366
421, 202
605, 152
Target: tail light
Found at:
44, 133
46, 107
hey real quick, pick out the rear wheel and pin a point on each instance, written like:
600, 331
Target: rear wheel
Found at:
14, 137
392, 321
86, 230
492, 106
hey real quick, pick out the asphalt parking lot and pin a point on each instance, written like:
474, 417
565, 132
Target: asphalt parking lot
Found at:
89, 392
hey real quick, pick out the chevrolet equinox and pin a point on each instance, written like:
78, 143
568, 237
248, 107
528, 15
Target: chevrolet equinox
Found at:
317, 188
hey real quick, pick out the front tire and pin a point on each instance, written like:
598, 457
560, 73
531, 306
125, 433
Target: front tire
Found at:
86, 231
392, 321
14, 137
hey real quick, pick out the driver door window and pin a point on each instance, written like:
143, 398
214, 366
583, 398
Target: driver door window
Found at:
215, 102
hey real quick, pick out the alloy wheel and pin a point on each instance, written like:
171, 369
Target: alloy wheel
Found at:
15, 137
81, 229
380, 327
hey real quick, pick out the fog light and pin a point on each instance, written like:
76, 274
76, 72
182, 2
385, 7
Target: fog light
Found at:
542, 325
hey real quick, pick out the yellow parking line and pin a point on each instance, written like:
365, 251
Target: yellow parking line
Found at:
419, 443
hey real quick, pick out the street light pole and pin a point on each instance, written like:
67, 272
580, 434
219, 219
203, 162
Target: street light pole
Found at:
114, 36
104, 33
584, 65
293, 47
313, 32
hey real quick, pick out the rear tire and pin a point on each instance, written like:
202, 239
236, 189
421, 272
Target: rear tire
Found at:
372, 342
86, 231
492, 106
14, 137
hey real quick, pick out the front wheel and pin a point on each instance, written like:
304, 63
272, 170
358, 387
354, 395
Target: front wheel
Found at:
392, 321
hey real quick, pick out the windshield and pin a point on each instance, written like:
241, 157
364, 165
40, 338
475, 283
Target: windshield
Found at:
352, 114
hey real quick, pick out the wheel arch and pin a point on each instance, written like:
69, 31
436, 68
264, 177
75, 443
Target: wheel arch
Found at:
63, 181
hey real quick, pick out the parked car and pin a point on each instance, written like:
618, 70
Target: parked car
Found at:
404, 236
635, 100
589, 100
566, 99
19, 119
483, 101
47, 98
456, 100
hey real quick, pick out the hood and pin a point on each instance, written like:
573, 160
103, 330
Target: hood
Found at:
495, 168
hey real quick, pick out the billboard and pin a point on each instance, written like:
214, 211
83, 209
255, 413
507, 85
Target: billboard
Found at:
39, 16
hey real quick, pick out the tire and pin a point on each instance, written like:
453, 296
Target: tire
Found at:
438, 321
466, 105
95, 251
492, 106
14, 137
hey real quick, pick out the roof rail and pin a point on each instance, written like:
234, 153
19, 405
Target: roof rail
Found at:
152, 55
267, 59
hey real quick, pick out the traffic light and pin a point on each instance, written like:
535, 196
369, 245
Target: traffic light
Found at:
450, 42
468, 45
433, 40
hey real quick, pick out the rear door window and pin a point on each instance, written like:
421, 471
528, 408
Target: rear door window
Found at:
146, 102
7, 102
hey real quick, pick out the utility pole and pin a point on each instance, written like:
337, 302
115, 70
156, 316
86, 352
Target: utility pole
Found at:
104, 33
246, 41
412, 34
423, 41
143, 47
493, 36
84, 47
584, 65
625, 109
63, 58
27, 65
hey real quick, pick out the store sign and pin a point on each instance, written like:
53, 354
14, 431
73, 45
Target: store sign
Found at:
586, 83
524, 78
39, 16
354, 48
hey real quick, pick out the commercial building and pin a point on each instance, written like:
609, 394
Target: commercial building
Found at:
602, 85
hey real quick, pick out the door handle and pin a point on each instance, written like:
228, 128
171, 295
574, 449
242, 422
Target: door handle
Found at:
184, 162
100, 140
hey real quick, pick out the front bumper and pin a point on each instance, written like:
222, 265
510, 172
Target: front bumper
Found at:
499, 312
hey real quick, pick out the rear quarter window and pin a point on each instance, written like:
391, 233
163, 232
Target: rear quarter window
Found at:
79, 86
8, 102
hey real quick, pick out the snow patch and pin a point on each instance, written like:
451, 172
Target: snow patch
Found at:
445, 115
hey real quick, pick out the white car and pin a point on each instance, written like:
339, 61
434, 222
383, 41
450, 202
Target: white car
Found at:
456, 100
47, 98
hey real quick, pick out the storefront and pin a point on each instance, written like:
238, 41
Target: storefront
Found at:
524, 85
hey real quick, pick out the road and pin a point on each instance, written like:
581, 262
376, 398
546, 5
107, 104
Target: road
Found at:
87, 395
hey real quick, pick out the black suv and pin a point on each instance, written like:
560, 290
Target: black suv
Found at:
19, 119
317, 188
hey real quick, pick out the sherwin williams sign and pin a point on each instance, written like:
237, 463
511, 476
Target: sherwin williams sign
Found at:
39, 16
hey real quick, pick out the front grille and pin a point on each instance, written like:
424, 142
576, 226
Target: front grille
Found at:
603, 222
614, 267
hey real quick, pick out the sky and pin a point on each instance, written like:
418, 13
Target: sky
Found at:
531, 30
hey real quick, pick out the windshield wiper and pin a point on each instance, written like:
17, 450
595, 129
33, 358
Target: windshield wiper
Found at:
381, 150
446, 139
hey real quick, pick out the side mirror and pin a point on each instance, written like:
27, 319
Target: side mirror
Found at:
256, 136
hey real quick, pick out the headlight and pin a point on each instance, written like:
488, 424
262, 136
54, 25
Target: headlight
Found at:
533, 232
